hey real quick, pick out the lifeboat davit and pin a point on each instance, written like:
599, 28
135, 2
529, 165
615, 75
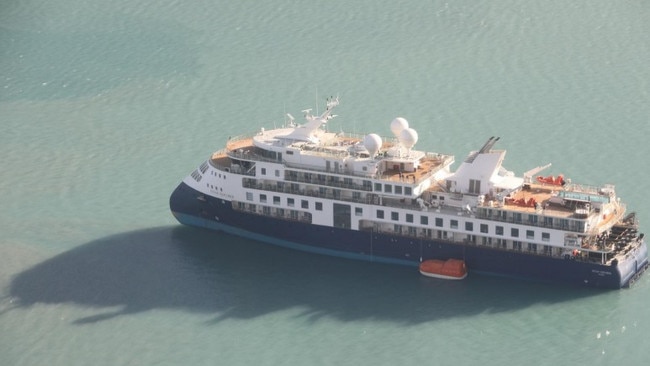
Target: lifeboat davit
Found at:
554, 181
451, 269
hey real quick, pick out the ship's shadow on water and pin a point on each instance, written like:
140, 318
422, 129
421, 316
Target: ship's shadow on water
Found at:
193, 270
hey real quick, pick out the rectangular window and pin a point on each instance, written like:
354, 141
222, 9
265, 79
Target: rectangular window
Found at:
319, 206
263, 171
474, 186
398, 189
304, 204
514, 232
249, 196
377, 187
484, 228
548, 221
516, 245
454, 224
276, 200
358, 211
424, 220
388, 188
546, 237
290, 202
394, 216
532, 247
380, 214
469, 226
409, 217
263, 198
277, 173
408, 191
499, 230
439, 222
530, 234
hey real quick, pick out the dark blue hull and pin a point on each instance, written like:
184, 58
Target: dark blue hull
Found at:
217, 214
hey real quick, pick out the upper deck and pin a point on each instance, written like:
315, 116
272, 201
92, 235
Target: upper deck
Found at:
244, 149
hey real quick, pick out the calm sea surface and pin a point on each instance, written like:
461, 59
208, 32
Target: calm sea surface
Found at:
106, 105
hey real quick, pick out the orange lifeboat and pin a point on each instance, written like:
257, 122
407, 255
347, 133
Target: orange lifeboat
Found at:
554, 181
451, 269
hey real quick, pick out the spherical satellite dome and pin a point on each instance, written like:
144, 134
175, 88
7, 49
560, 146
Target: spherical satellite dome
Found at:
398, 125
372, 142
408, 138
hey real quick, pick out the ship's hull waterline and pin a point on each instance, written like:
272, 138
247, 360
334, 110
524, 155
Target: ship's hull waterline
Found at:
218, 214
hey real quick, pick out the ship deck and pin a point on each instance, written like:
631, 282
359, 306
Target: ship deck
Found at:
245, 149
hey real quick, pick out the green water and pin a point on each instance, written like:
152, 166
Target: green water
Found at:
106, 106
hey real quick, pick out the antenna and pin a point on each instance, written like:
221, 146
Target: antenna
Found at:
291, 120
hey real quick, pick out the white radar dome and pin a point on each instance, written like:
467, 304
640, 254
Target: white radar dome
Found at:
372, 142
408, 138
398, 125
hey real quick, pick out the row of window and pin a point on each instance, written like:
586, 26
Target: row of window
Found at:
273, 211
395, 216
389, 188
532, 219
291, 202
379, 187
219, 174
196, 175
277, 172
469, 226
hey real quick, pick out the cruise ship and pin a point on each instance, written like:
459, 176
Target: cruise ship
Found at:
379, 199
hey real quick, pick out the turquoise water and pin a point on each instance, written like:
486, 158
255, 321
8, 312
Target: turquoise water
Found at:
106, 106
